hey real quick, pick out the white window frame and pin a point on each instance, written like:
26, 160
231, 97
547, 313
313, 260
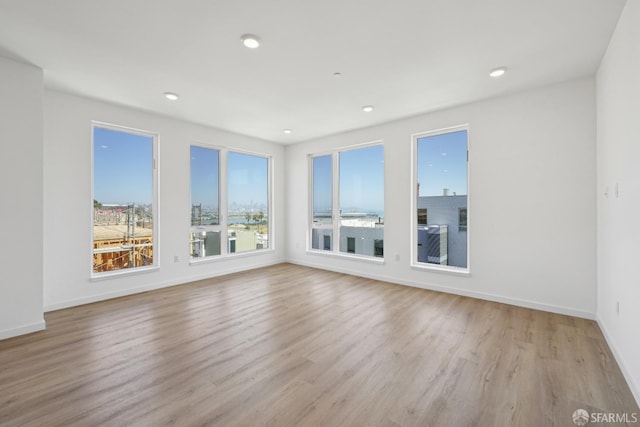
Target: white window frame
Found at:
223, 190
335, 204
155, 200
414, 204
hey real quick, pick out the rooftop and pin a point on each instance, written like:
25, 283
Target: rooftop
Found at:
112, 232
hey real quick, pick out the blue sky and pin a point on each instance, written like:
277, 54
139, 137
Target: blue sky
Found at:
204, 177
123, 172
322, 182
442, 163
247, 179
122, 167
361, 180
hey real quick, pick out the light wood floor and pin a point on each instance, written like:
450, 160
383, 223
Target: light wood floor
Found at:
294, 346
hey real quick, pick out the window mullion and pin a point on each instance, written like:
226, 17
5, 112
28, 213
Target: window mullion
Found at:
335, 193
222, 210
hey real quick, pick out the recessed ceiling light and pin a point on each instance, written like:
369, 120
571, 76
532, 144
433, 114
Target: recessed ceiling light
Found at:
498, 72
337, 74
287, 131
172, 96
367, 108
250, 41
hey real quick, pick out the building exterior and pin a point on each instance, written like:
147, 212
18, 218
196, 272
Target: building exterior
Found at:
122, 237
449, 211
442, 233
205, 243
360, 234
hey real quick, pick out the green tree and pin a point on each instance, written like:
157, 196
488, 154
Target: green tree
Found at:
258, 218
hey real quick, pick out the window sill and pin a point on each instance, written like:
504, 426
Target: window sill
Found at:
97, 277
457, 271
226, 257
342, 255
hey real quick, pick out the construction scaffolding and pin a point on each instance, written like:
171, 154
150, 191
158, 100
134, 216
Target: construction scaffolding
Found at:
122, 238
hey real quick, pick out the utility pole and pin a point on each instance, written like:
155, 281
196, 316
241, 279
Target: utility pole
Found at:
131, 232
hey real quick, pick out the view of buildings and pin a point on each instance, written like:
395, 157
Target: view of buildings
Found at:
360, 233
247, 229
122, 236
441, 232
123, 233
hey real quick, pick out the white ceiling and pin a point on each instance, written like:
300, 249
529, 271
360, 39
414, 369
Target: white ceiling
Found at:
405, 57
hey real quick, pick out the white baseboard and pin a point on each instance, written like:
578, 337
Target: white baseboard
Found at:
633, 385
479, 295
23, 330
131, 291
456, 291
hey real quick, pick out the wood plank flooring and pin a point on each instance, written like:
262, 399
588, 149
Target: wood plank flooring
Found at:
293, 346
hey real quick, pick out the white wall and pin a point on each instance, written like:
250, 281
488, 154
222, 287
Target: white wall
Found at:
532, 208
20, 198
67, 200
618, 94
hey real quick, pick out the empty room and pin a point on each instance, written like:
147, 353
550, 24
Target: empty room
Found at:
296, 213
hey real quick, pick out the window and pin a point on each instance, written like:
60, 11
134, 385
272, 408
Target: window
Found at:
327, 243
230, 193
440, 176
248, 202
422, 216
205, 202
124, 199
351, 245
378, 248
362, 196
462, 219
322, 209
348, 201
